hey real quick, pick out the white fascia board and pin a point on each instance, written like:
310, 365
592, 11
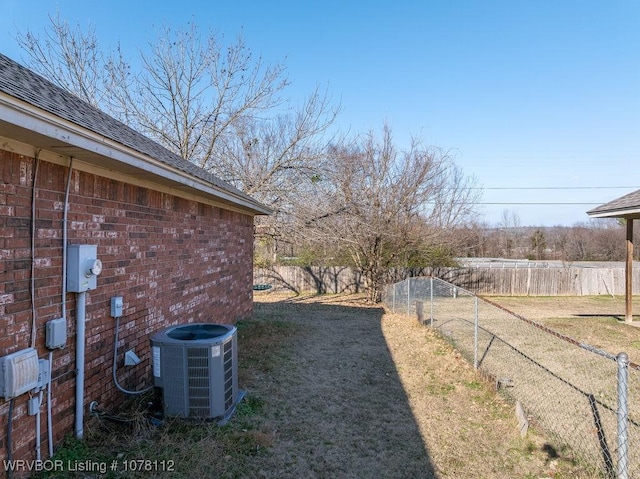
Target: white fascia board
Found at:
35, 120
615, 213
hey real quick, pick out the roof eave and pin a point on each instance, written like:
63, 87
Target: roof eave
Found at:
618, 213
38, 124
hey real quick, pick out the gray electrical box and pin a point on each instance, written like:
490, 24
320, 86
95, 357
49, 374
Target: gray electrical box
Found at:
83, 267
56, 333
44, 373
19, 373
116, 306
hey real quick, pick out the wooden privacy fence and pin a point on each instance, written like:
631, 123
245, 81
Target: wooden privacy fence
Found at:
319, 279
568, 281
559, 281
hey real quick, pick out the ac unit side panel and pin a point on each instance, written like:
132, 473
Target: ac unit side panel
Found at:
230, 373
215, 373
224, 379
235, 368
174, 378
156, 362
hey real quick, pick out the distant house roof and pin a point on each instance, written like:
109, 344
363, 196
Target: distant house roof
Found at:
18, 82
627, 206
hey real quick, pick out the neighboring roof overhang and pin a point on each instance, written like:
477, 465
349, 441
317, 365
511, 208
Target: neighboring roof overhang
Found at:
26, 123
627, 206
635, 214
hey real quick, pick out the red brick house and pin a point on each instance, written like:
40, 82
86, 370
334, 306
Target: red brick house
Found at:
175, 242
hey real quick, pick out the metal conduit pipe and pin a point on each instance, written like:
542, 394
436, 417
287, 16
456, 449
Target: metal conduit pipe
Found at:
38, 454
80, 332
49, 418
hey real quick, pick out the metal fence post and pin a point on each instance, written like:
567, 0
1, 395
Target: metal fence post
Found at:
623, 415
475, 332
431, 302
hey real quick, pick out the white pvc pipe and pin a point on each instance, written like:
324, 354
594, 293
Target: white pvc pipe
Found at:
80, 332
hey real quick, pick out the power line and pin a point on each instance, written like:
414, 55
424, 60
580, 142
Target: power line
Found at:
557, 188
523, 203
555, 157
519, 161
536, 203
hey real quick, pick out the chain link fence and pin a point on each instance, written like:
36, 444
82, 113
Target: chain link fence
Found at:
586, 399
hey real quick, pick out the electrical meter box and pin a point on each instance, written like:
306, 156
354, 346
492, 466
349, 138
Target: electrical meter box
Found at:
83, 267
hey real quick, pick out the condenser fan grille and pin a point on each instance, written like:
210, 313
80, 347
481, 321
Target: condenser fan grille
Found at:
197, 332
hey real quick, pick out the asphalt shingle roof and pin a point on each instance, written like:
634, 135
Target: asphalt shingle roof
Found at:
629, 203
24, 84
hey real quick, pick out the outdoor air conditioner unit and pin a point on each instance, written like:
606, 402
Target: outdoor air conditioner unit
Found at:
195, 365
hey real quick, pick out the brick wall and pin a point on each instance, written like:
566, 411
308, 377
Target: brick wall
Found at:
173, 260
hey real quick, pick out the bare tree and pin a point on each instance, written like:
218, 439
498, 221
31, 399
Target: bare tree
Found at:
388, 208
271, 160
475, 239
72, 59
190, 92
277, 162
215, 104
510, 224
193, 92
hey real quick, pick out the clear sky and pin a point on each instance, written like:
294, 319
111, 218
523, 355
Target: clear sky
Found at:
538, 100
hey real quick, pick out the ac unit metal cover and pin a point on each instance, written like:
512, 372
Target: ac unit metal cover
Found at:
195, 365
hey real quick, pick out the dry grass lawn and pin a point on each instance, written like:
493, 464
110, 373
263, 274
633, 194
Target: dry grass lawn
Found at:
595, 320
339, 389
372, 394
